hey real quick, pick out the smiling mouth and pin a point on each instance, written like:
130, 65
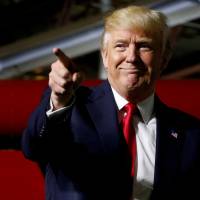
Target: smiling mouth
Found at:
131, 70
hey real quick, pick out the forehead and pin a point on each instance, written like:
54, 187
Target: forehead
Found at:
129, 35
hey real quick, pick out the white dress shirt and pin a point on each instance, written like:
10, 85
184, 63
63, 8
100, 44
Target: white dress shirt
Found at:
145, 129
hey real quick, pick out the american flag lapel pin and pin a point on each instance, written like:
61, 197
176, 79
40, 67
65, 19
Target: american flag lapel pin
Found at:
174, 134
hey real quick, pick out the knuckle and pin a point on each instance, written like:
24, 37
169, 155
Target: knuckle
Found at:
63, 83
58, 90
50, 75
53, 65
50, 83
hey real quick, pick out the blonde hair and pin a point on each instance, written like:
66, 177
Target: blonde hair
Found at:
137, 17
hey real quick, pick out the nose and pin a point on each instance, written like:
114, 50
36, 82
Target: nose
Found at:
131, 54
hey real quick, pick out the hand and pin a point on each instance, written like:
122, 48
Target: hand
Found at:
64, 79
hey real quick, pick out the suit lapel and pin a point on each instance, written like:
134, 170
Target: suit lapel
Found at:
168, 146
103, 111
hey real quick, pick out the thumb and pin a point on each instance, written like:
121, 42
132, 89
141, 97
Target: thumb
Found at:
77, 78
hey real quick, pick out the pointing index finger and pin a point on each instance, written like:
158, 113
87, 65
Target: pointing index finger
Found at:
65, 60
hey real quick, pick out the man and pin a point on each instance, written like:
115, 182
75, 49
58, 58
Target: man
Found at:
77, 132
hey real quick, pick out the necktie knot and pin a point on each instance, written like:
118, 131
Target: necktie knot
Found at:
129, 109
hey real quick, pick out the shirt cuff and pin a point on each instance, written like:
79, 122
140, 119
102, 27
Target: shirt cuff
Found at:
51, 114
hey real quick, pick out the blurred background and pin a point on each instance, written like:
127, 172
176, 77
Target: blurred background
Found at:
31, 28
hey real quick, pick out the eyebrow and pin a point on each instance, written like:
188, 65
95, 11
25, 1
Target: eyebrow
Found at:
143, 39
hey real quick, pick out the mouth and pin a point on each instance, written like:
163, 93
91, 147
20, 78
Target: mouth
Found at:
130, 70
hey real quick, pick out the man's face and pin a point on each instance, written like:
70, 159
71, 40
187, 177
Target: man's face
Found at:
132, 60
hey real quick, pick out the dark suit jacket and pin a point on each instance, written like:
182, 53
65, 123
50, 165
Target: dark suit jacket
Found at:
86, 157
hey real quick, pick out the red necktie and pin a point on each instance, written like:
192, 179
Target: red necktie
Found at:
129, 132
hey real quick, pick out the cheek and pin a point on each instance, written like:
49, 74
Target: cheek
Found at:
152, 62
114, 60
148, 59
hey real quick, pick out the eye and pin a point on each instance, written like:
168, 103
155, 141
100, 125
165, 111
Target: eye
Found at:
120, 46
145, 47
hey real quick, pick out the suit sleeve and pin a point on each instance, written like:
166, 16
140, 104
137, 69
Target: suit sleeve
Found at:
40, 138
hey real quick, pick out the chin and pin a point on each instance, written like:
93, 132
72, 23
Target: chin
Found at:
131, 84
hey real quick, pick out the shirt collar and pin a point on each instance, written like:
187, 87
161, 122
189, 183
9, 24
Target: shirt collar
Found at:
145, 107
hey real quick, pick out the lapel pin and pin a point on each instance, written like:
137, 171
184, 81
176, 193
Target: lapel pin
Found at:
174, 134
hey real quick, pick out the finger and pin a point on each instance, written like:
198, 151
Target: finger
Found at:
59, 70
59, 88
77, 78
65, 60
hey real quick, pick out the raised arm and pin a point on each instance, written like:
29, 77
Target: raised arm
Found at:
64, 78
40, 135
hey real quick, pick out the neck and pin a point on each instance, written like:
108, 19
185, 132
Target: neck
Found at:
134, 96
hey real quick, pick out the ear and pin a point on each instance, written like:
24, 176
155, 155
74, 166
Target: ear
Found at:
167, 54
104, 55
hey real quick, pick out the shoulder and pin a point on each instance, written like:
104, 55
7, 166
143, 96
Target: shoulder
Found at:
186, 119
92, 93
176, 116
